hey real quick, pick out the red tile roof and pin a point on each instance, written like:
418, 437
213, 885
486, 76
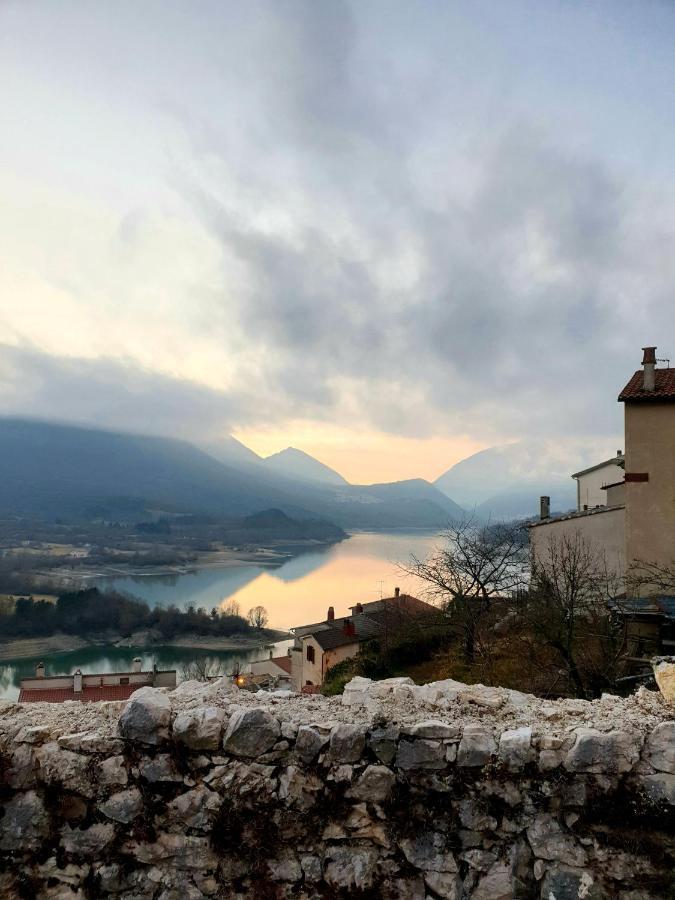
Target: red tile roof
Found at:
284, 662
664, 386
87, 695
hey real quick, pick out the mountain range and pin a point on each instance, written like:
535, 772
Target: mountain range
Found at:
506, 482
60, 471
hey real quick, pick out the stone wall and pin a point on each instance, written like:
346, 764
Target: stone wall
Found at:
393, 791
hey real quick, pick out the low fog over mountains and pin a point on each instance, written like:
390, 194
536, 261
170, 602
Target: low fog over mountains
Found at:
60, 471
507, 481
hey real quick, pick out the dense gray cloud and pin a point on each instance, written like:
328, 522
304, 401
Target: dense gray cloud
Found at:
427, 220
113, 394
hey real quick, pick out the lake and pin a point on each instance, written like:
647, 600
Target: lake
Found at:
298, 591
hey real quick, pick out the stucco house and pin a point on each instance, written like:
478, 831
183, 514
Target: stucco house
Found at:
321, 645
635, 522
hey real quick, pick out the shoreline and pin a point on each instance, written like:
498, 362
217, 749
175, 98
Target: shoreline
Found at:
27, 648
65, 577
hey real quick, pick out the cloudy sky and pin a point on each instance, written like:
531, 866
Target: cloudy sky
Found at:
390, 233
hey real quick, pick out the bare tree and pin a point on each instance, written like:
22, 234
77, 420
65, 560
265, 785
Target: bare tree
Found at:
257, 617
204, 668
567, 610
230, 608
477, 564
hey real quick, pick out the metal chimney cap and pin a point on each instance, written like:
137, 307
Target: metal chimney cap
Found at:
649, 356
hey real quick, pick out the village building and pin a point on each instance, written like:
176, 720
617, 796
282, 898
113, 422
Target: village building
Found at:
634, 524
89, 688
273, 672
320, 646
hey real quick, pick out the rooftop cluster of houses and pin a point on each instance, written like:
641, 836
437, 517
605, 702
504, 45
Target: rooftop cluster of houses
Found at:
92, 687
315, 649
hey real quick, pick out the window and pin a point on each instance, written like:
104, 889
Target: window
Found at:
310, 653
124, 681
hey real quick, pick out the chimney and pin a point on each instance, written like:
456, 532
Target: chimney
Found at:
40, 670
544, 507
397, 592
349, 628
77, 682
649, 365
271, 654
358, 608
331, 614
136, 664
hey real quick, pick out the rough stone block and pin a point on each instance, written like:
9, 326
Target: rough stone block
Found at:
515, 748
146, 716
612, 752
420, 754
309, 743
347, 743
124, 806
201, 728
476, 747
25, 823
660, 747
251, 732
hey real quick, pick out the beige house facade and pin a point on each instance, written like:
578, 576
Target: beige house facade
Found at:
626, 505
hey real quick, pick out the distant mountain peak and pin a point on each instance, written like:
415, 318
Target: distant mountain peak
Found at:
297, 464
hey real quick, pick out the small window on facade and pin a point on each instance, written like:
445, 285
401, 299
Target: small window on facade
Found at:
124, 681
310, 653
308, 683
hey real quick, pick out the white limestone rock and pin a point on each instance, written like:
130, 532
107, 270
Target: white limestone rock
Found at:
515, 748
347, 743
612, 752
200, 728
374, 785
661, 747
69, 770
549, 841
420, 754
309, 743
146, 716
350, 868
24, 824
87, 842
112, 771
196, 809
432, 728
476, 747
124, 806
251, 732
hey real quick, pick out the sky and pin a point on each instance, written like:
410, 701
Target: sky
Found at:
389, 233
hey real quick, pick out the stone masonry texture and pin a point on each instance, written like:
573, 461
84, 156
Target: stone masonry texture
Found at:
393, 791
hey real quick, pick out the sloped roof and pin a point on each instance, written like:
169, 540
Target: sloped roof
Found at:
664, 387
364, 627
86, 695
284, 662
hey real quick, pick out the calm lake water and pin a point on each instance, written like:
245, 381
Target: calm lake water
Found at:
361, 568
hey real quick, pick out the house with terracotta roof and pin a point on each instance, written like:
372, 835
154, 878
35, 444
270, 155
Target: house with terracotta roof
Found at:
322, 645
273, 671
636, 522
91, 688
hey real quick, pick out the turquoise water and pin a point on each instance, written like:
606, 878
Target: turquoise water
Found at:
361, 568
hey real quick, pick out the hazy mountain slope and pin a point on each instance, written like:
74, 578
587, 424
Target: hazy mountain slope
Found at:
63, 470
507, 481
521, 501
59, 471
230, 451
298, 464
